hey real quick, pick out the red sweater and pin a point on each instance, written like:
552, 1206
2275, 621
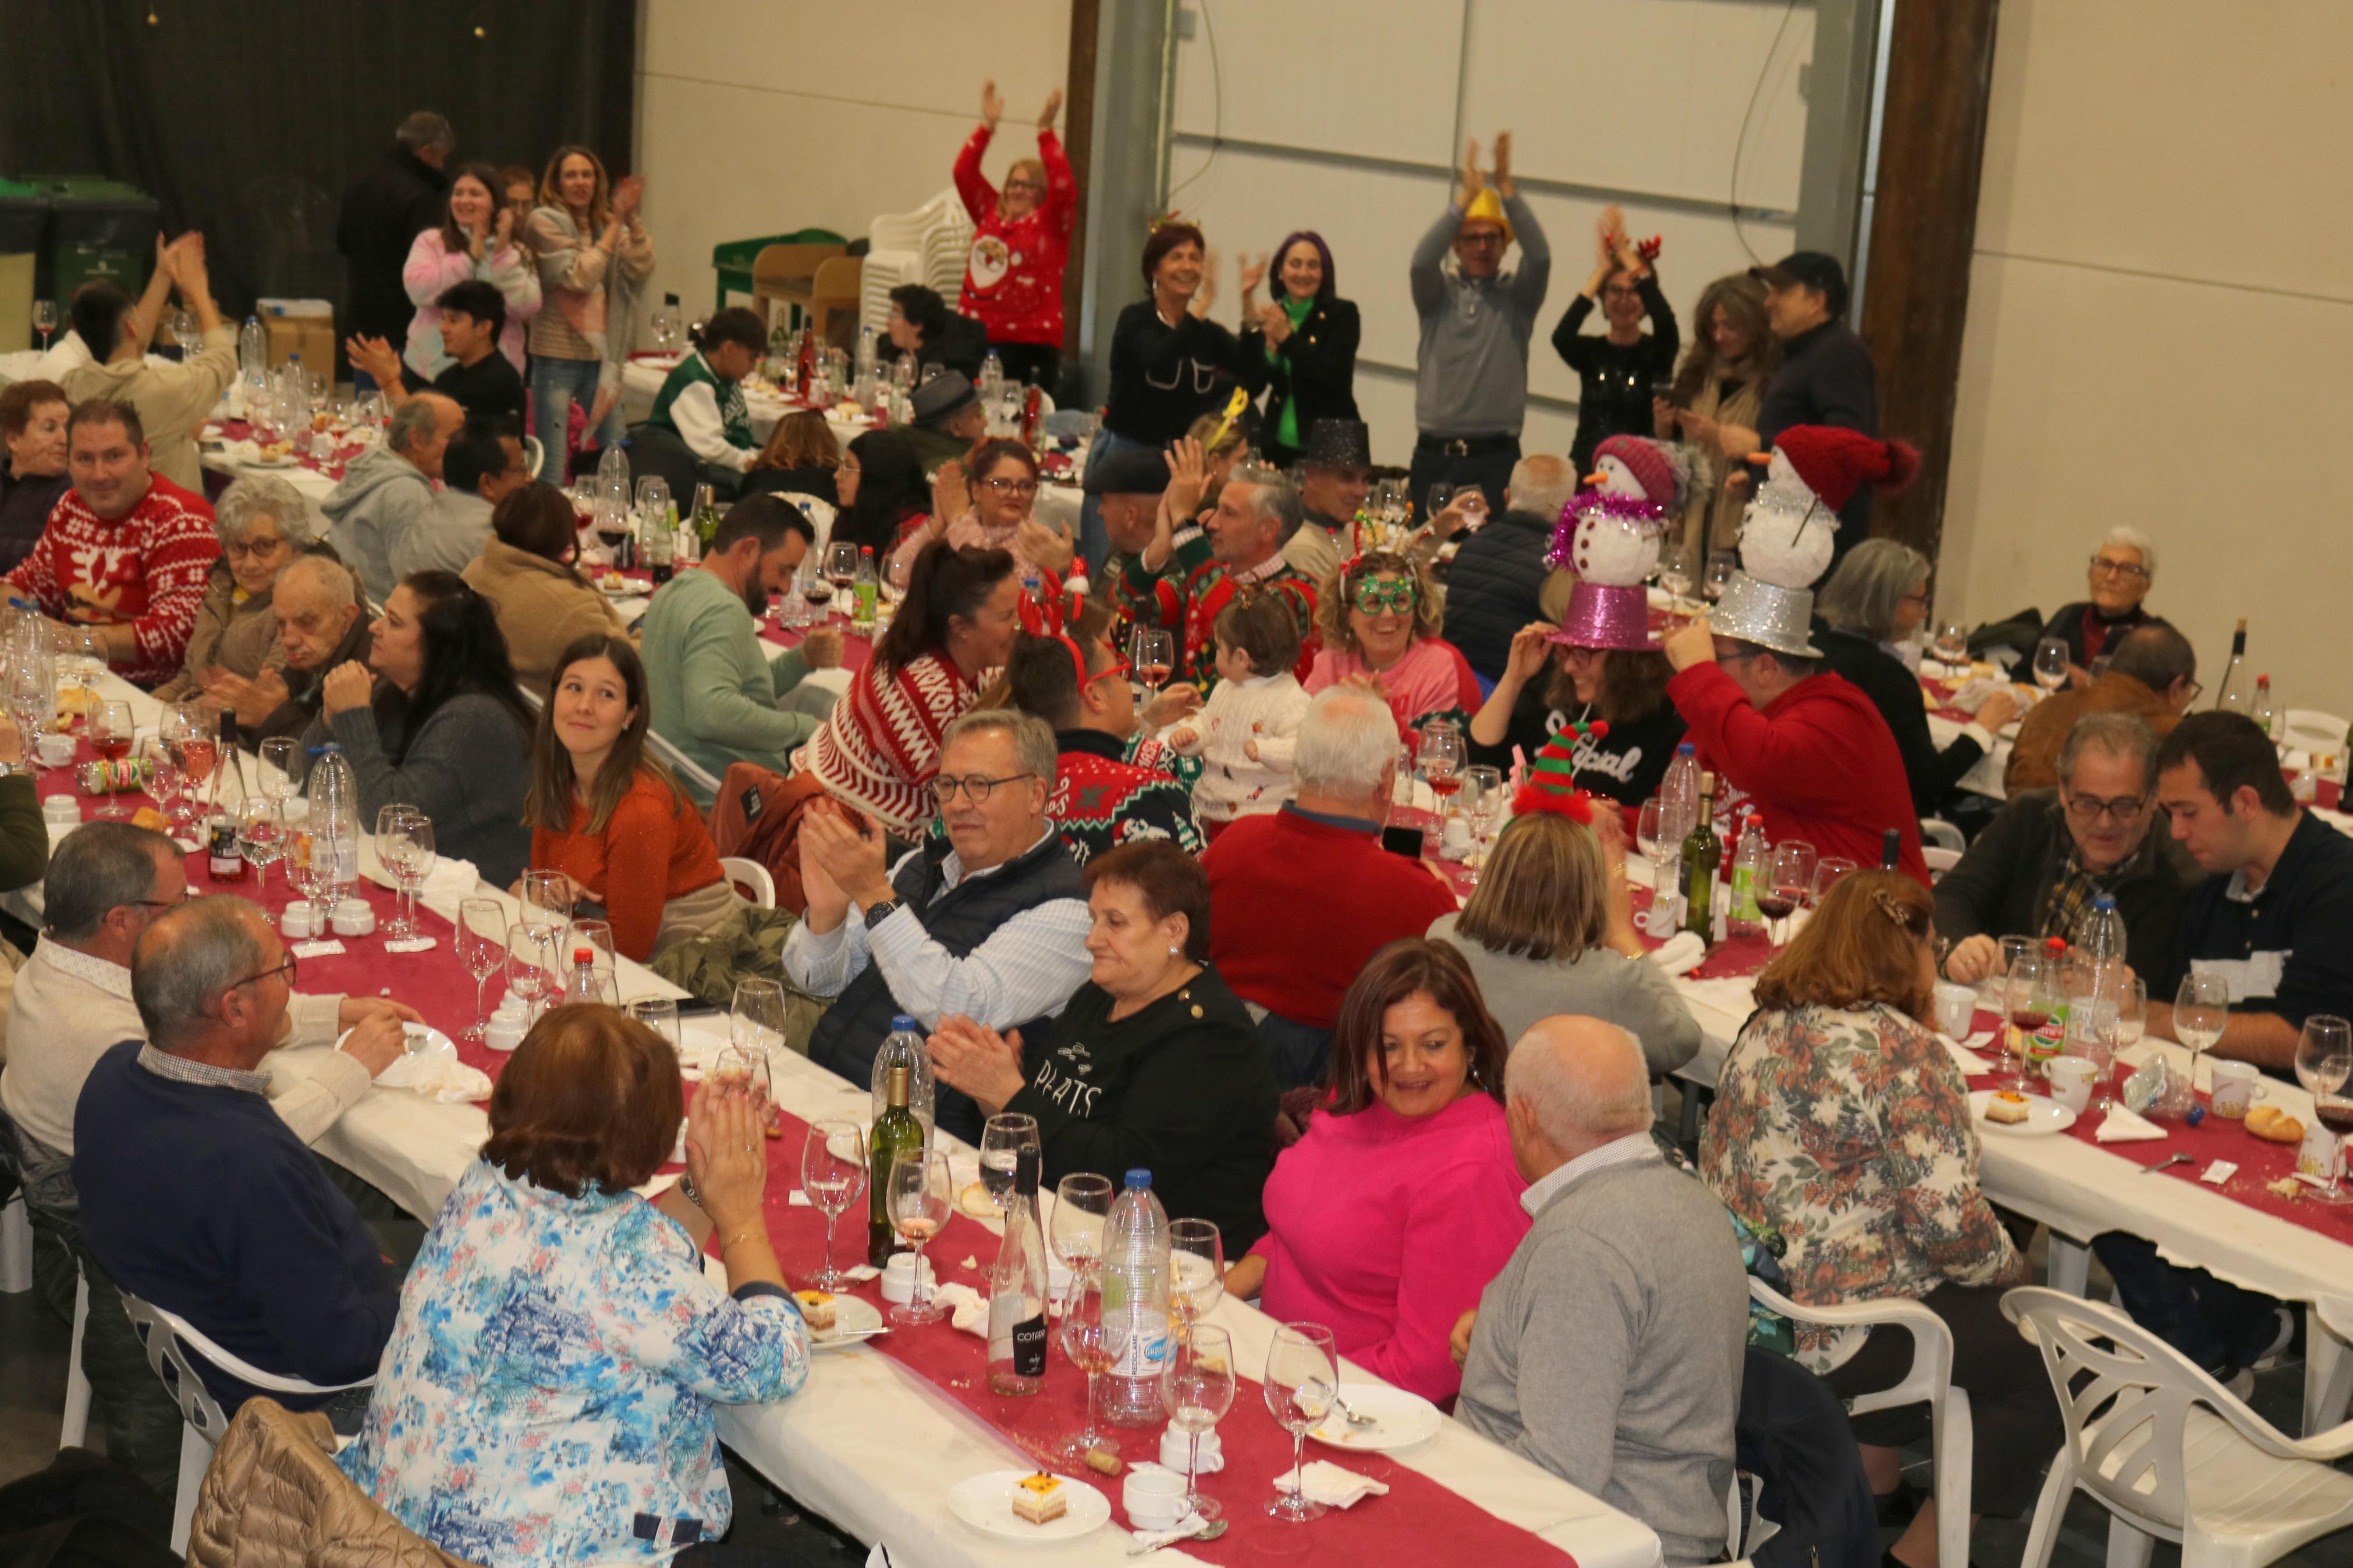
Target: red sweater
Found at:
1298, 904
1013, 279
148, 567
1817, 764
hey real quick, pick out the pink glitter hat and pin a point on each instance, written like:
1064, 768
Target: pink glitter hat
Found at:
1605, 616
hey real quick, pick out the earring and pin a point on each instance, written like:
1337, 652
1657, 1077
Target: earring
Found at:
1173, 951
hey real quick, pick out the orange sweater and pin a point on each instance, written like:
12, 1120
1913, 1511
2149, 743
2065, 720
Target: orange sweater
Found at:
654, 849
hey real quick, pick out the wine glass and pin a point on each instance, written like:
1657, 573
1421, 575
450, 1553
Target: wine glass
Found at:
734, 1066
531, 954
1952, 645
2051, 664
1440, 757
1483, 799
653, 502
833, 1175
1675, 575
1152, 651
1082, 1210
404, 846
1828, 871
1650, 828
1302, 1380
547, 909
1196, 1389
261, 835
2200, 1009
1789, 883
1197, 1271
2027, 1003
756, 1020
841, 570
1439, 495
277, 754
163, 772
1001, 1143
2323, 1062
1720, 568
44, 320
1093, 1340
1474, 508
110, 730
658, 1013
482, 949
596, 936
920, 1190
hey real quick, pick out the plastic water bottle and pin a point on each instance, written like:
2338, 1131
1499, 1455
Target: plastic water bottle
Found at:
903, 1047
334, 795
1679, 795
613, 488
862, 388
252, 348
1135, 1286
1747, 876
992, 379
2104, 937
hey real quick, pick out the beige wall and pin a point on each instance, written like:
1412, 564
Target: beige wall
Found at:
2160, 325
758, 117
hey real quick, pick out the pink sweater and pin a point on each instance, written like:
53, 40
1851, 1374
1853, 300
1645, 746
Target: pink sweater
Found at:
1386, 1229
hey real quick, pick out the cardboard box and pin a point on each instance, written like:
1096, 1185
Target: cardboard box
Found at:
306, 327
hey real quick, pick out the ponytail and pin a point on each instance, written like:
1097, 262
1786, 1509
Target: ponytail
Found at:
945, 583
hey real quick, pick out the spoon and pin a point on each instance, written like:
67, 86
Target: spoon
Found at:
1209, 1531
1353, 1419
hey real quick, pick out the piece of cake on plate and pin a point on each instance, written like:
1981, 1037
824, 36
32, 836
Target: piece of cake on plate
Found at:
2007, 1108
817, 1308
1039, 1499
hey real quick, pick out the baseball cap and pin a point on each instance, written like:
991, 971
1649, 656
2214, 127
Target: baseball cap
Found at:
1813, 269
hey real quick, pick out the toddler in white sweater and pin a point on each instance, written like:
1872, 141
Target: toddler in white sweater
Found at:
1245, 734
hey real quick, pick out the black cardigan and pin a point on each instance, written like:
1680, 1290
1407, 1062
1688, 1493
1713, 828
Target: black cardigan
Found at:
1316, 366
1163, 378
1615, 380
1895, 692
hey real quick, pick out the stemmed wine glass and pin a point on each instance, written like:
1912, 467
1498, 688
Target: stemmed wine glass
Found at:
1788, 882
1483, 799
2051, 664
1196, 1389
1440, 757
1720, 568
547, 909
162, 770
44, 320
1093, 1340
1302, 1380
1675, 575
2323, 1063
2027, 1003
261, 835
2200, 1009
658, 1013
1001, 1143
1152, 651
1197, 1271
756, 1018
482, 949
1829, 871
833, 1175
1952, 645
1082, 1211
404, 846
918, 1203
111, 728
277, 754
841, 570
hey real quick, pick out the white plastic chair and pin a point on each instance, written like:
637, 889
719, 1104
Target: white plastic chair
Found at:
750, 878
170, 1343
15, 1247
1935, 830
929, 246
1929, 1382
2168, 1451
2327, 1363
820, 513
534, 454
77, 1422
1940, 859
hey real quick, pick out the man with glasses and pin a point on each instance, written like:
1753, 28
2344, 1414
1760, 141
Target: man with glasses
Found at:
1471, 377
2121, 571
2153, 675
991, 926
2039, 865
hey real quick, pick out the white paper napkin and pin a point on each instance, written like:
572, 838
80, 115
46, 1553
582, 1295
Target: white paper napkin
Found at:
1680, 954
1332, 1485
1734, 993
437, 1076
1185, 1529
967, 1308
1968, 1061
2125, 1125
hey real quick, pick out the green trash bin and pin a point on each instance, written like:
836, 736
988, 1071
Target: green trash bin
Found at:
732, 261
98, 229
24, 228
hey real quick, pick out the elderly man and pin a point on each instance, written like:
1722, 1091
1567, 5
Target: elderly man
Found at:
481, 468
1610, 1349
1471, 376
72, 1002
1255, 510
993, 931
383, 211
2119, 575
126, 549
248, 1240
1809, 750
948, 418
2040, 864
1301, 898
2152, 675
387, 490
319, 626
1501, 581
711, 683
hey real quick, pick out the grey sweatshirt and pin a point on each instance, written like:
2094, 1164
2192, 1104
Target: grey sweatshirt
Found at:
1632, 993
467, 770
1608, 1349
380, 498
1471, 378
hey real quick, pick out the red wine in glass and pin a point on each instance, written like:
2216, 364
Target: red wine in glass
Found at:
2028, 1019
1154, 676
114, 748
1775, 906
817, 591
1444, 784
2337, 1115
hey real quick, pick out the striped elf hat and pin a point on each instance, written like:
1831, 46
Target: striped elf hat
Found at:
1550, 783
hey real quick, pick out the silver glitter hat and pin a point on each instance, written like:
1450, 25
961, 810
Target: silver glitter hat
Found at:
1767, 614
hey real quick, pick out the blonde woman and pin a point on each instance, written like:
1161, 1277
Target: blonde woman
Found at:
1380, 619
593, 252
1720, 383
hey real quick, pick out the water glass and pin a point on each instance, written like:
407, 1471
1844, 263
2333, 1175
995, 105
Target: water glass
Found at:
1196, 1389
1301, 1380
918, 1205
757, 1019
482, 949
1001, 1143
833, 1175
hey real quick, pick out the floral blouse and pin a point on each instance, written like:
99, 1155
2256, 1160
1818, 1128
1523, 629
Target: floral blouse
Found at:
545, 1400
1849, 1133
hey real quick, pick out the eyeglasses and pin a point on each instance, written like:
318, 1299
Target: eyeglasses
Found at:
2124, 810
1012, 487
2108, 568
1023, 185
246, 550
1919, 598
187, 896
1619, 291
1481, 236
975, 788
289, 969
1375, 595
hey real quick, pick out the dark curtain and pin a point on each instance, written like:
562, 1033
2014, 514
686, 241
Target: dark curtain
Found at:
246, 119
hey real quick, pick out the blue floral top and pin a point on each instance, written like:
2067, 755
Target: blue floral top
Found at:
545, 1400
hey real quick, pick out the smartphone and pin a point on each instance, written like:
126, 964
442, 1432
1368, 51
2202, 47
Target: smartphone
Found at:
1404, 841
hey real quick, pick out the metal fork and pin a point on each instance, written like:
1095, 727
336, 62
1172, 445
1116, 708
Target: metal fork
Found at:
2167, 1164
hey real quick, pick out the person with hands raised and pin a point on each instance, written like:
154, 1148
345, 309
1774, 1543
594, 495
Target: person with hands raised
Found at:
173, 399
593, 254
1020, 245
1617, 370
475, 242
726, 1181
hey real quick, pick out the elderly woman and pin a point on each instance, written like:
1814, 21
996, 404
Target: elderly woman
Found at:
1594, 672
2121, 571
1550, 928
1021, 242
1721, 383
1380, 617
1617, 370
1390, 1215
1176, 1080
542, 605
33, 429
263, 524
991, 513
1842, 1124
802, 457
558, 1340
434, 720
592, 251
1307, 335
611, 819
1877, 599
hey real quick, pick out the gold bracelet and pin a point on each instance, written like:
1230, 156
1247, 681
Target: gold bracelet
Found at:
747, 1230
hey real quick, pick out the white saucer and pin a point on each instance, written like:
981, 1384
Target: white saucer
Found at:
851, 1315
1400, 1420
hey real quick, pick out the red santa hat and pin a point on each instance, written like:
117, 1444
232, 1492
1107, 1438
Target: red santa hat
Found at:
1835, 463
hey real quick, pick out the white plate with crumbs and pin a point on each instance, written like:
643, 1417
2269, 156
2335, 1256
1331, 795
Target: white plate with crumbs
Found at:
985, 1503
2044, 1116
1400, 1420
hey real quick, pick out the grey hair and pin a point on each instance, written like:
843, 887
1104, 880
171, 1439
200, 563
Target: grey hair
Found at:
412, 419
1274, 499
187, 958
1862, 594
425, 129
99, 867
2155, 655
2127, 737
2134, 539
1541, 483
329, 576
1346, 742
1033, 738
1599, 1086
255, 497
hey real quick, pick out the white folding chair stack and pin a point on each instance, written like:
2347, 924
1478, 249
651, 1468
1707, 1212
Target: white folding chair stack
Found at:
928, 245
2169, 1452
1929, 1382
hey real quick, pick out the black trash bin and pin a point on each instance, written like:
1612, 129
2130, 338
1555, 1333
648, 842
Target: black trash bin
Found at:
100, 228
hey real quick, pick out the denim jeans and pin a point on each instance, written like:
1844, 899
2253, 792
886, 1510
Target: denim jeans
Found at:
555, 385
2210, 1321
142, 1421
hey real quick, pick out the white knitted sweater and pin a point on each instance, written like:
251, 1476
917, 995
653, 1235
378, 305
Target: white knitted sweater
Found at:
1266, 708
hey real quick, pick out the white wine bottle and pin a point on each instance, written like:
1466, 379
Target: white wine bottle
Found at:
2238, 691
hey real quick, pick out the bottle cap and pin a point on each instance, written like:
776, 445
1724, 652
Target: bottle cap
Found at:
2105, 901
584, 955
901, 1024
1138, 1177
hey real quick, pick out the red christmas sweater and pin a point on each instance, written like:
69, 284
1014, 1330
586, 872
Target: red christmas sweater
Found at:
148, 568
1013, 279
1212, 586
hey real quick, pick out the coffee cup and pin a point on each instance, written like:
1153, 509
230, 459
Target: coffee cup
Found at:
2070, 1081
899, 1278
1154, 1496
54, 751
1956, 1007
1175, 1451
2238, 1086
61, 811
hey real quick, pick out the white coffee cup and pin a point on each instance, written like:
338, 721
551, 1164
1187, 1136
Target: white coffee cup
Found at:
2070, 1081
1956, 1007
1175, 1447
1153, 1496
2238, 1085
54, 751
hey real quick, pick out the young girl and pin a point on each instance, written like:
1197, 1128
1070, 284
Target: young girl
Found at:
1245, 733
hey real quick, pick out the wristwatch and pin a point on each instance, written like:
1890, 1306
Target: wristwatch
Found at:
686, 1186
879, 910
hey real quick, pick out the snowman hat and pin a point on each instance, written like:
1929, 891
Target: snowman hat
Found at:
1662, 471
1835, 463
